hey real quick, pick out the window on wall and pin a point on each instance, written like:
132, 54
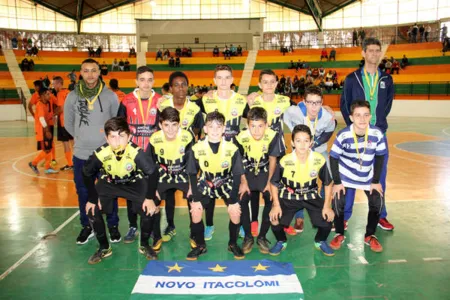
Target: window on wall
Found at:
388, 12
352, 16
334, 21
407, 11
427, 10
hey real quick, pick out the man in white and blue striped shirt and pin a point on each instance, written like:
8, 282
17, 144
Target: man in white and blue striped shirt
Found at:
356, 160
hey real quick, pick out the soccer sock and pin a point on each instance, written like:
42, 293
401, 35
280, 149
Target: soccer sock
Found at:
69, 158
209, 210
255, 206
234, 230
48, 160
132, 216
53, 156
146, 229
156, 227
170, 207
98, 225
278, 232
265, 224
198, 231
38, 158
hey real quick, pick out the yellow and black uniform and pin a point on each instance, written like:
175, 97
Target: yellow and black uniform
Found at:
220, 166
275, 110
171, 157
190, 115
231, 108
298, 189
256, 163
123, 174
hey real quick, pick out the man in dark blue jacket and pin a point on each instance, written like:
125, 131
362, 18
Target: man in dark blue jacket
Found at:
369, 83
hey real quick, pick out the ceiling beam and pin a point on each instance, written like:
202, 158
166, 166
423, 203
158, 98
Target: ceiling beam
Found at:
54, 8
316, 12
290, 6
338, 7
102, 10
80, 6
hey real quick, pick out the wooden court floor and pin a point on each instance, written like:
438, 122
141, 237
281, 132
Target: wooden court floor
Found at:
414, 265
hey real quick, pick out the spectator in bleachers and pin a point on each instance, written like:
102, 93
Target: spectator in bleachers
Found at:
165, 90
444, 33
114, 65
395, 66
361, 63
191, 89
341, 84
362, 34
332, 54
323, 54
282, 80
19, 43
422, 33
171, 62
159, 54
166, 54
294, 92
126, 65
315, 73
336, 85
178, 51
427, 32
34, 51
98, 52
329, 75
30, 41
14, 42
233, 50
28, 51
298, 65
355, 38
382, 66
288, 87
226, 53
177, 62
239, 50
446, 45
292, 65
121, 65
414, 32
114, 86
328, 85
184, 52
24, 65
321, 72
309, 81
31, 65
71, 86
388, 67
91, 51
104, 69
404, 62
322, 84
72, 76
216, 51
189, 52
283, 50
309, 72
334, 75
132, 52
210, 88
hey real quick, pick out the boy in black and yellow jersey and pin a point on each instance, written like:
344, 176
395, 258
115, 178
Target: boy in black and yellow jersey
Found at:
123, 167
260, 147
229, 104
221, 171
169, 148
191, 117
275, 105
294, 187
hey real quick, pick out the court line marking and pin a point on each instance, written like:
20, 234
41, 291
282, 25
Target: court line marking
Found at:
35, 248
416, 160
12, 160
397, 261
432, 258
444, 131
418, 153
363, 260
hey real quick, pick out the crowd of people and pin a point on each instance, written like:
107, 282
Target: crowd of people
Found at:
146, 157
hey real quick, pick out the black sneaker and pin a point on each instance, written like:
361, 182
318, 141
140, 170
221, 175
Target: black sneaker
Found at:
236, 250
263, 245
247, 244
99, 255
196, 252
34, 168
148, 252
114, 234
85, 235
67, 168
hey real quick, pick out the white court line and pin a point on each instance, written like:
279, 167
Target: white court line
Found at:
444, 131
363, 260
419, 161
432, 258
397, 261
32, 251
22, 157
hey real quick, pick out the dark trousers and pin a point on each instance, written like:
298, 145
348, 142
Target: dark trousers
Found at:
112, 219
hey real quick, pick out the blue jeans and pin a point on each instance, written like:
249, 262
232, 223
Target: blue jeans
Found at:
112, 219
350, 193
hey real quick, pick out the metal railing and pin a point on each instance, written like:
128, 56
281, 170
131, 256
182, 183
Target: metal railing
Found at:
427, 88
194, 46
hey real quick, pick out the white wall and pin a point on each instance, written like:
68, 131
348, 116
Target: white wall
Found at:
421, 108
12, 112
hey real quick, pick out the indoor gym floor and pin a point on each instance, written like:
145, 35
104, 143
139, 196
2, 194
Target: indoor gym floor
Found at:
415, 263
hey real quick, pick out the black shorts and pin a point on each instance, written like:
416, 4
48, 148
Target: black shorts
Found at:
205, 200
257, 183
314, 208
63, 135
45, 145
163, 188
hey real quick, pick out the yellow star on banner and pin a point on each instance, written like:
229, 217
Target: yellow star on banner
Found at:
260, 267
218, 268
176, 267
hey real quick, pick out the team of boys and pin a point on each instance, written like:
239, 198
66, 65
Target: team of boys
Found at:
154, 149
